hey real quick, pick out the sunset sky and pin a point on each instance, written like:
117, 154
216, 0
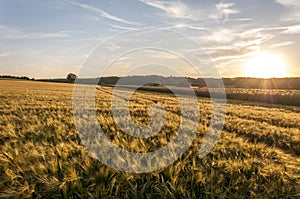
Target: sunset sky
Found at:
48, 39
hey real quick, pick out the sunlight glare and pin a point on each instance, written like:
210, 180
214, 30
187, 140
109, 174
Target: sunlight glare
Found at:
266, 65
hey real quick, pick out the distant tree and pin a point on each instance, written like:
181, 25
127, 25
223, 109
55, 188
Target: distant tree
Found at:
71, 77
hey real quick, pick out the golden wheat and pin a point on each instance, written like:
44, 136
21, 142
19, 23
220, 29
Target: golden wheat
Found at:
41, 153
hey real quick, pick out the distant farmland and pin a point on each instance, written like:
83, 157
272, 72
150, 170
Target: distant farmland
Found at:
268, 96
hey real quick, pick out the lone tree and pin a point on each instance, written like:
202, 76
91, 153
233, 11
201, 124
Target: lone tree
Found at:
71, 77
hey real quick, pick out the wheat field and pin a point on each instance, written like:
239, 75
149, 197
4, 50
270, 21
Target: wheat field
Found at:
257, 154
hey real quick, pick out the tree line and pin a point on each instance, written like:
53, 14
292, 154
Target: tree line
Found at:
16, 77
292, 83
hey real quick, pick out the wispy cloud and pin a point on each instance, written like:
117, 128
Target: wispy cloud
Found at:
230, 47
40, 35
223, 10
239, 37
175, 9
102, 13
5, 54
289, 3
224, 56
293, 10
287, 43
292, 30
121, 27
163, 55
197, 27
241, 20
186, 26
219, 36
13, 33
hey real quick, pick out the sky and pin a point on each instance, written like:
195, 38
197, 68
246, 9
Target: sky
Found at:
50, 38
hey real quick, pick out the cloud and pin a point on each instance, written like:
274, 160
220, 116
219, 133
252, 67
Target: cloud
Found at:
234, 53
5, 54
241, 20
174, 9
289, 3
231, 46
101, 13
186, 26
223, 10
293, 10
292, 30
13, 33
220, 35
162, 55
239, 37
197, 27
287, 43
121, 27
178, 10
40, 35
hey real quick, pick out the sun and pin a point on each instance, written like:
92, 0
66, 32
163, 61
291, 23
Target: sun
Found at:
266, 65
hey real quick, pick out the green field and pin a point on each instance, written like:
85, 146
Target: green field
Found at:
257, 155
